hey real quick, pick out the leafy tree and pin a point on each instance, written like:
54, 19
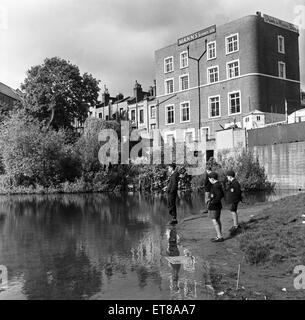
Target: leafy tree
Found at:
34, 154
56, 93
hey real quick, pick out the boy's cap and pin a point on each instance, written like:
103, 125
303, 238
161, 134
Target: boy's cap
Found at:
213, 175
231, 173
173, 165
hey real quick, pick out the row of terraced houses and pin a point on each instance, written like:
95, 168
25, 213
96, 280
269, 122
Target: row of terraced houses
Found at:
242, 74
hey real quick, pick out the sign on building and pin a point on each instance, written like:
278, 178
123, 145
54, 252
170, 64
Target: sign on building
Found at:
197, 35
280, 23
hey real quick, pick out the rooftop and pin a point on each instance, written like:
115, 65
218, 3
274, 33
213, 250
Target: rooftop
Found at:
6, 90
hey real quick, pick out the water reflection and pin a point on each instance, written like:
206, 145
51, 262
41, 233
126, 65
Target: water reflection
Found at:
185, 288
101, 246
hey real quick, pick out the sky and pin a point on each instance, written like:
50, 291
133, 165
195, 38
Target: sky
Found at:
115, 40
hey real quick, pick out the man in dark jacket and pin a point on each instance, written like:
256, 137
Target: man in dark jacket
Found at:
234, 196
172, 190
215, 205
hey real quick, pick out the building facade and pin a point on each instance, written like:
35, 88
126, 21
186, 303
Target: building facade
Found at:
8, 97
248, 64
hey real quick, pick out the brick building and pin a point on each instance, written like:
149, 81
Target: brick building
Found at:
250, 64
140, 108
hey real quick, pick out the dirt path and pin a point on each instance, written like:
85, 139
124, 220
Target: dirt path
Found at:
224, 259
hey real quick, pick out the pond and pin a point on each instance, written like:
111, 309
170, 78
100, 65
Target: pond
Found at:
99, 246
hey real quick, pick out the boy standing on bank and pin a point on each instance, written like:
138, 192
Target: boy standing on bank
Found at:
234, 197
215, 205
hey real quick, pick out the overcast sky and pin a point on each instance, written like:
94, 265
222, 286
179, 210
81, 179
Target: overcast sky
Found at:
114, 40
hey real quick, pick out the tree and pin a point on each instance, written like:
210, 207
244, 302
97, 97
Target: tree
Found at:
56, 93
34, 154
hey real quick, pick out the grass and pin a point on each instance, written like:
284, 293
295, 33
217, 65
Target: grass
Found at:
277, 234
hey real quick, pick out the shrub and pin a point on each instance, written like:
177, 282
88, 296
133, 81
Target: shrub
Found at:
33, 154
251, 174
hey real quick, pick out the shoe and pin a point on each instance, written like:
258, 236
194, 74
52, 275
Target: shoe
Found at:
234, 229
217, 239
174, 221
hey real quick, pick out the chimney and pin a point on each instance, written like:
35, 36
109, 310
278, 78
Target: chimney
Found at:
105, 96
138, 93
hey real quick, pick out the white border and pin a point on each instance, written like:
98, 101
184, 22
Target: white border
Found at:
150, 107
208, 74
283, 63
181, 53
166, 107
226, 43
164, 65
165, 86
209, 59
278, 44
181, 103
209, 107
229, 106
227, 67
180, 82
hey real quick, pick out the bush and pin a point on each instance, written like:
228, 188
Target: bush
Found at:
33, 154
250, 173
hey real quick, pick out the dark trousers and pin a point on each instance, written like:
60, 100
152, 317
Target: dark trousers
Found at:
171, 203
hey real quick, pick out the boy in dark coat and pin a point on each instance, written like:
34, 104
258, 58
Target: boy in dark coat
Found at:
215, 205
172, 190
234, 196
207, 187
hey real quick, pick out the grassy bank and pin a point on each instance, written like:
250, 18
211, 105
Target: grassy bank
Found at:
276, 235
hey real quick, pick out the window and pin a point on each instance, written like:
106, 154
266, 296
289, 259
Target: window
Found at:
184, 82
169, 86
153, 112
121, 111
189, 137
282, 70
233, 69
213, 74
234, 103
211, 50
133, 115
281, 44
185, 111
258, 118
184, 60
168, 64
153, 126
247, 119
170, 139
232, 43
141, 116
214, 107
170, 114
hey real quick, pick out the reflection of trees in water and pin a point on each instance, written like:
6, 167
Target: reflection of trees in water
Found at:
96, 232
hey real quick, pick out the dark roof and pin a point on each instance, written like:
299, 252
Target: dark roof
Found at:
4, 89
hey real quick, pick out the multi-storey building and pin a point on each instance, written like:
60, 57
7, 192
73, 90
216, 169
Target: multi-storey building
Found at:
248, 64
140, 108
